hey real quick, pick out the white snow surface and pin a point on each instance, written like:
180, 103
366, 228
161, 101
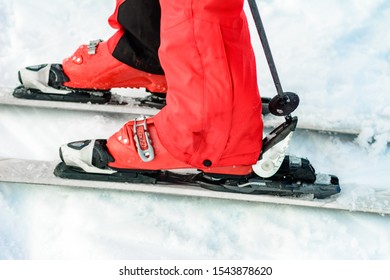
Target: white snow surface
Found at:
334, 54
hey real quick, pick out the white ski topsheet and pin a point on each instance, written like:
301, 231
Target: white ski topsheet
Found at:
41, 173
6, 98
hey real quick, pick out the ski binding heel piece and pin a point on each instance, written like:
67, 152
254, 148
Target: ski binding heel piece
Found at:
45, 82
38, 78
274, 149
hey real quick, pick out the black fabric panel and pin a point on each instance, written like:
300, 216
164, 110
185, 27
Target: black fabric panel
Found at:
138, 47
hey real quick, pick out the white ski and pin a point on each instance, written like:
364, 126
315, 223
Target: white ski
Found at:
41, 173
7, 99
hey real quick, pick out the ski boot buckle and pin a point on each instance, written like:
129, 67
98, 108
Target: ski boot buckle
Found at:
142, 140
93, 45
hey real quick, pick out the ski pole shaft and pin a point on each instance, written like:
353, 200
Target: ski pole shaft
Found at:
264, 41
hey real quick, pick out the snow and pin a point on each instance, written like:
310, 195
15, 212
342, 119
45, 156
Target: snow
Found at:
334, 54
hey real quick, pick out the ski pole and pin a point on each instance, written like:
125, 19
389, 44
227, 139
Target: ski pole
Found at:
284, 103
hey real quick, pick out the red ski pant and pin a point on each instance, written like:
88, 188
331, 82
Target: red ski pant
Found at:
213, 112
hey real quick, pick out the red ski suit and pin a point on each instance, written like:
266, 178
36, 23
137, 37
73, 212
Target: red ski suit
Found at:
213, 112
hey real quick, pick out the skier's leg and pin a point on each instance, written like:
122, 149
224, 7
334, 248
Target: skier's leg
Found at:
212, 120
213, 117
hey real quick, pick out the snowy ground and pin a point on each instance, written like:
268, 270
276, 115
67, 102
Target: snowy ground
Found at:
335, 54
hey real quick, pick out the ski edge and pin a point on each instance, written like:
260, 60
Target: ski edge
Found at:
33, 172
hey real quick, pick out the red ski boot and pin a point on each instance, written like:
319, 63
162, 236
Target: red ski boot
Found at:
137, 146
93, 67
86, 76
134, 148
